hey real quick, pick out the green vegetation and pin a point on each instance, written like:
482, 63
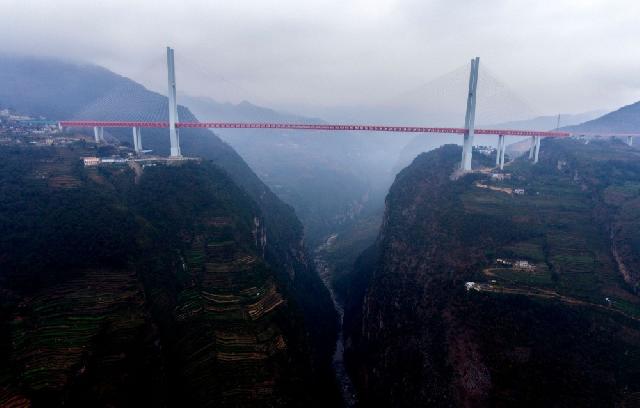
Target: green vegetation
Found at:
553, 318
169, 290
559, 221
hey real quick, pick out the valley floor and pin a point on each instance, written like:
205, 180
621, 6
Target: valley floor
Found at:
342, 376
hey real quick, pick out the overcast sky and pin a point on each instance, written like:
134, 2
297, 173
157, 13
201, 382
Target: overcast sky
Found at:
559, 55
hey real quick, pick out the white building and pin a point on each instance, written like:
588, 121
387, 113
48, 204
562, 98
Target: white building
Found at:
525, 265
91, 161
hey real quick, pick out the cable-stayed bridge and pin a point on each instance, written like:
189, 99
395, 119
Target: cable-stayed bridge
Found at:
174, 124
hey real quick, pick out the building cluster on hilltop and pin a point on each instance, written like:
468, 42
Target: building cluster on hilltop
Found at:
24, 130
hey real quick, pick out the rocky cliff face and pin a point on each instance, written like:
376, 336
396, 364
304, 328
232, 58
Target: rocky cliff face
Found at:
474, 295
58, 90
164, 291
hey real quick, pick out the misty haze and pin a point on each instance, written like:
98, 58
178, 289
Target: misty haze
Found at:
383, 203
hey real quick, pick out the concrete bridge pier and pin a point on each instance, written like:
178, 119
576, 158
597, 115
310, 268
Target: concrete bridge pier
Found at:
630, 140
500, 152
536, 152
137, 139
532, 147
98, 133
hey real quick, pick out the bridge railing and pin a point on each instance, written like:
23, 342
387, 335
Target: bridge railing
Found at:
321, 127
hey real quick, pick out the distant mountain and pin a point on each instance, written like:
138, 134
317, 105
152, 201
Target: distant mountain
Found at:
331, 179
549, 122
52, 88
518, 146
244, 111
625, 119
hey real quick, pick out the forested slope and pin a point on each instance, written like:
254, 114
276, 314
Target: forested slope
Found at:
476, 296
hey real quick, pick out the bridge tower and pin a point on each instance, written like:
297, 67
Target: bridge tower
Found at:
174, 136
470, 117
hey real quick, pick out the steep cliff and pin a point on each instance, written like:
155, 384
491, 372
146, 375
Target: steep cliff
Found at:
160, 291
62, 90
477, 295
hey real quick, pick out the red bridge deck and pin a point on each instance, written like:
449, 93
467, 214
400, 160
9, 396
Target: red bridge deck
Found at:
301, 126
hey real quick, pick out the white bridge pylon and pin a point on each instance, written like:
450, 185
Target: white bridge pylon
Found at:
470, 117
469, 126
468, 131
174, 136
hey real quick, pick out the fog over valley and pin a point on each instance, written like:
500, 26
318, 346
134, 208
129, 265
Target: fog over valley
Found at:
360, 204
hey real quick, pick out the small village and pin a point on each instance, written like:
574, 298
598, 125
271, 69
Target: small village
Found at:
21, 130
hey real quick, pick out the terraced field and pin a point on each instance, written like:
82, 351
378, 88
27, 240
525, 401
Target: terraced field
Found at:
119, 289
232, 296
559, 233
93, 323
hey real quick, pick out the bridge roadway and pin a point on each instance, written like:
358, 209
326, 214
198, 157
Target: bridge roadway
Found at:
303, 126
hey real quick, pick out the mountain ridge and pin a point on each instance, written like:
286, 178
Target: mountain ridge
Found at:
624, 119
434, 316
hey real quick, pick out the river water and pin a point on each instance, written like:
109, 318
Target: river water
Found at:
346, 385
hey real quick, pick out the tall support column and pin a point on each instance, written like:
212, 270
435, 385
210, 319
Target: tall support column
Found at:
504, 147
500, 152
137, 139
532, 147
174, 137
630, 140
98, 134
537, 150
469, 120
